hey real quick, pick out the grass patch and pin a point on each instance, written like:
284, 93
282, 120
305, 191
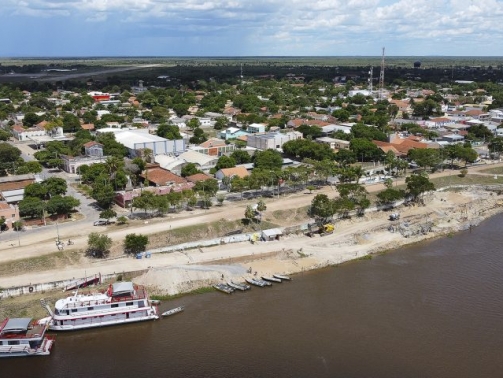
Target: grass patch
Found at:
366, 257
204, 231
201, 290
454, 179
41, 263
493, 170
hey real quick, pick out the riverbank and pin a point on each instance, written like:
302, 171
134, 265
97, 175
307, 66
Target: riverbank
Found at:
444, 213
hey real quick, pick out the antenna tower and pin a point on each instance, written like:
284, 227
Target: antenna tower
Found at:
381, 77
371, 79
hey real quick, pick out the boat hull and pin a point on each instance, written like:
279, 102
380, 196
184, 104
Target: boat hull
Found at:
68, 327
7, 351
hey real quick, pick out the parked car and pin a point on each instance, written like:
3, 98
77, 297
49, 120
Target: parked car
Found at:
101, 222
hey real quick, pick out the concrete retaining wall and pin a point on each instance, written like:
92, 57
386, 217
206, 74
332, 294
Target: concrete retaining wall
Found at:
42, 287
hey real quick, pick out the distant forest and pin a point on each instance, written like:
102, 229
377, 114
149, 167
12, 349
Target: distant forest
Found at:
176, 71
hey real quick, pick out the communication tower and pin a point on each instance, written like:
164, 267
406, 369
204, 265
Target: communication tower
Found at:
371, 79
381, 77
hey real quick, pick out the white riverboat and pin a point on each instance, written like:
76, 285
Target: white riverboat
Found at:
21, 337
122, 303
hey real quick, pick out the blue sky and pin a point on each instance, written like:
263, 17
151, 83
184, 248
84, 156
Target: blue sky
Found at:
32, 28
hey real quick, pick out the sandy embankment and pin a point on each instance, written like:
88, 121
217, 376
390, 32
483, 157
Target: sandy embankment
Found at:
445, 213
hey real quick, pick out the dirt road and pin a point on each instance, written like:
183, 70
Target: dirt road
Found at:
43, 243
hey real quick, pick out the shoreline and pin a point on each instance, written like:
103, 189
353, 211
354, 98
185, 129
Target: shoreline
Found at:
352, 240
179, 273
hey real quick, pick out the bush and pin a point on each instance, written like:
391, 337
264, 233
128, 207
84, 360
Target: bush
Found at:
463, 172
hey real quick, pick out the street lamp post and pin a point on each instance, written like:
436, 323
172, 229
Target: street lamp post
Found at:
57, 230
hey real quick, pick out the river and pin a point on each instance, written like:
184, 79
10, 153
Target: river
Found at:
428, 310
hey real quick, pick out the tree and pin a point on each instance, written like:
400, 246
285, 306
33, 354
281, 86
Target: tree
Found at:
198, 137
55, 186
108, 214
261, 207
98, 245
417, 184
249, 214
221, 123
61, 205
225, 162
36, 189
365, 150
390, 195
4, 135
31, 207
145, 201
241, 157
134, 244
322, 209
103, 193
171, 132
268, 159
29, 167
18, 225
206, 187
425, 157
190, 169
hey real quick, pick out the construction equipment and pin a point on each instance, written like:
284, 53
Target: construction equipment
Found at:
328, 228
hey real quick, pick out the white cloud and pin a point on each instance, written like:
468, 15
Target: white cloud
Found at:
289, 26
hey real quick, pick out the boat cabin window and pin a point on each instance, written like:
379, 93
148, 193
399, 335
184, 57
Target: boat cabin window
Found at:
74, 310
13, 342
90, 308
115, 305
129, 303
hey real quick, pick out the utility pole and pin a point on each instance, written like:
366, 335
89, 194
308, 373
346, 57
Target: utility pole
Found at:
381, 77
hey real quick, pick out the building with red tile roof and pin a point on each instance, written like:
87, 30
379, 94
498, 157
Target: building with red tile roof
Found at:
160, 177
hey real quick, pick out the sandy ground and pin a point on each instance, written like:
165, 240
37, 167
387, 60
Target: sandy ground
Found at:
179, 272
184, 271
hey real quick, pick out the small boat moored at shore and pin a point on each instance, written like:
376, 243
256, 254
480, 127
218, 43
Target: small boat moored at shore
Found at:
271, 279
239, 286
224, 288
258, 282
21, 337
282, 277
173, 311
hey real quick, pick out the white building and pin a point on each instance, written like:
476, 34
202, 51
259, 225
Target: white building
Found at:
139, 139
273, 141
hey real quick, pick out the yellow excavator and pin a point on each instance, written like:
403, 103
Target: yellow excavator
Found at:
328, 228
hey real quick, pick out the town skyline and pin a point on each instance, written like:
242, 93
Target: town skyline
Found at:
54, 28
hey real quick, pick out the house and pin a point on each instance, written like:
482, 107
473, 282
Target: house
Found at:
93, 149
202, 161
136, 140
87, 126
198, 177
271, 234
334, 144
294, 123
12, 187
239, 171
232, 133
160, 177
22, 134
273, 141
214, 147
256, 128
401, 146
9, 212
